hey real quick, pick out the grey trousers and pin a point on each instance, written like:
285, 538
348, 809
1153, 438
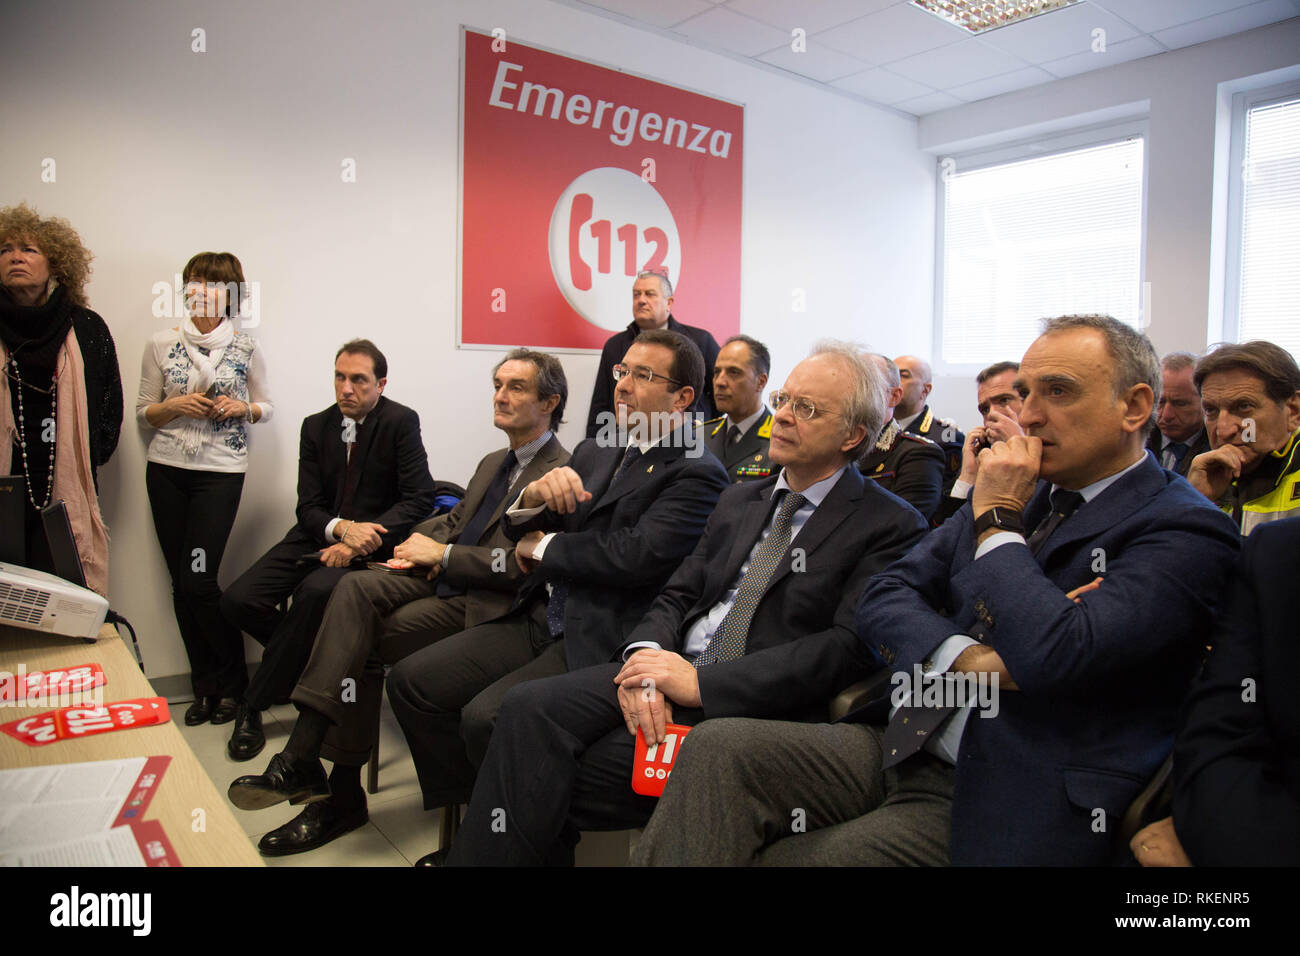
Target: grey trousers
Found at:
372, 619
771, 793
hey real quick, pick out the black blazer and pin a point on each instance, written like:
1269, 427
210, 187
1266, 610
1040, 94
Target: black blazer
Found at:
802, 648
912, 468
616, 346
618, 550
1199, 445
393, 488
1237, 761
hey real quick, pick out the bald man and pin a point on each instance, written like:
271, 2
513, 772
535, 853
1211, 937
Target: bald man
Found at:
909, 465
914, 415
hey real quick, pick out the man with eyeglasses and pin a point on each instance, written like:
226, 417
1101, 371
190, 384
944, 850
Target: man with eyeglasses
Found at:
598, 538
1090, 675
652, 303
758, 621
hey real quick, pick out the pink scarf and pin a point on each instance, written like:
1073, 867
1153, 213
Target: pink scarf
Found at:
73, 479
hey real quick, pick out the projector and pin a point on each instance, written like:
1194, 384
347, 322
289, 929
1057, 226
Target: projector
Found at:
41, 602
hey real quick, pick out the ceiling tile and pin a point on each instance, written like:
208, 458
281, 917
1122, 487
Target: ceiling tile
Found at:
957, 63
1115, 54
1152, 15
892, 34
882, 86
662, 13
930, 103
1059, 34
812, 15
719, 27
1226, 24
1006, 83
817, 62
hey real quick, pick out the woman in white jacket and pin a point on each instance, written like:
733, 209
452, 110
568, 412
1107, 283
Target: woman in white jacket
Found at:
202, 385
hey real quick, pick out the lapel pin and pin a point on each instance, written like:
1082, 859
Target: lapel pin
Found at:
650, 469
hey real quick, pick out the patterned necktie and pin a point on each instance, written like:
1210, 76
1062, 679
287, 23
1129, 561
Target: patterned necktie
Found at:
1173, 454
728, 642
631, 455
478, 521
1064, 504
560, 591
913, 722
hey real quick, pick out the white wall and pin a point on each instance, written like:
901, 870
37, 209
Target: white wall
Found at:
1180, 94
162, 152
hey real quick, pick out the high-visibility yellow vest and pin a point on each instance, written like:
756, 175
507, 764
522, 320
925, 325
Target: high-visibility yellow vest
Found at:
1280, 500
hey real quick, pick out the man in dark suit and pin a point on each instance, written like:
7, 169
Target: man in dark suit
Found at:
455, 571
1237, 779
909, 465
1179, 435
757, 621
652, 303
915, 416
1236, 797
740, 438
600, 536
1089, 673
363, 482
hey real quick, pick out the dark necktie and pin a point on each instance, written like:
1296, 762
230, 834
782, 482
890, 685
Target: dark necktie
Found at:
560, 590
478, 522
1174, 453
728, 641
733, 434
1064, 504
350, 474
913, 723
631, 455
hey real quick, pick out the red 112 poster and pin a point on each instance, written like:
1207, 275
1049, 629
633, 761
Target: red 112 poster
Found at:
574, 177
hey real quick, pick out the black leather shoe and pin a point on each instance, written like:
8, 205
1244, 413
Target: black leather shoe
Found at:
317, 825
199, 711
247, 739
286, 778
225, 710
436, 858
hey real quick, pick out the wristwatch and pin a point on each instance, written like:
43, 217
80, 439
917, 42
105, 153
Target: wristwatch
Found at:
1004, 519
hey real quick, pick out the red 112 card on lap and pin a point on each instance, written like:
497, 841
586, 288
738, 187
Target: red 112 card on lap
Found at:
653, 764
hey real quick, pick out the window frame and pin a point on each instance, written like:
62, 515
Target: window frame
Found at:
1242, 102
1002, 154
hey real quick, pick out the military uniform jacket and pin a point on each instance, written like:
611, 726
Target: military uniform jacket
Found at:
747, 459
909, 465
949, 439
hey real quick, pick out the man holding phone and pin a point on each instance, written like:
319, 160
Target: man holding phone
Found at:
999, 406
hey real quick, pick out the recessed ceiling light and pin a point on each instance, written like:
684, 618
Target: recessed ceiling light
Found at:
980, 16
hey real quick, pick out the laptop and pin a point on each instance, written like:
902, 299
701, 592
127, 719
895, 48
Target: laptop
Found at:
63, 547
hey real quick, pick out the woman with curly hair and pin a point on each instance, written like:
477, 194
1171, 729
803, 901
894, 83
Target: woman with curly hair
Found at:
60, 369
201, 385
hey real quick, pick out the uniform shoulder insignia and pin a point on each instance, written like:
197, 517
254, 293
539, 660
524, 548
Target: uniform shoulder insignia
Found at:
717, 423
919, 438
